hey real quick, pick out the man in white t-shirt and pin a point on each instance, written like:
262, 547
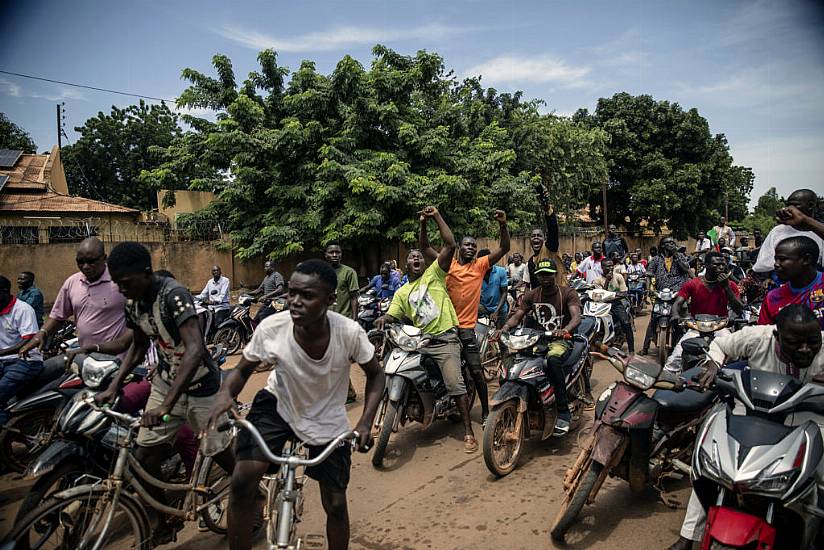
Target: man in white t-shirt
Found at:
797, 219
312, 350
590, 268
18, 324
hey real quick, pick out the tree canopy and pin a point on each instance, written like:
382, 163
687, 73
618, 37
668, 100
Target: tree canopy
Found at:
13, 136
355, 154
113, 149
665, 167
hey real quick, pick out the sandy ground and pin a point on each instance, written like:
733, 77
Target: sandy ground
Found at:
431, 495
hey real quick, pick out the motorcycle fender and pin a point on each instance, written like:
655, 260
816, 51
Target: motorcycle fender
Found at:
511, 390
47, 399
619, 401
607, 442
736, 529
396, 387
399, 361
55, 454
663, 321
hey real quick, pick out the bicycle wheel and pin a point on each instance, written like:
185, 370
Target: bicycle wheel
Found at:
216, 482
80, 521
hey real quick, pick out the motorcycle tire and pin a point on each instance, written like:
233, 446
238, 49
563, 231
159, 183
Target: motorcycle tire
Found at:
20, 438
500, 420
386, 430
59, 479
229, 338
574, 502
661, 343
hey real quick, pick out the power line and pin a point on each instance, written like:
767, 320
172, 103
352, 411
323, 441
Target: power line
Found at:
86, 86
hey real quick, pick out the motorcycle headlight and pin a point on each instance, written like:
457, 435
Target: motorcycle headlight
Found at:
769, 482
709, 326
516, 342
638, 379
710, 466
94, 372
404, 341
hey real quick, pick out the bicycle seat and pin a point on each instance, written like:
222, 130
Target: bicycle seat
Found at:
687, 400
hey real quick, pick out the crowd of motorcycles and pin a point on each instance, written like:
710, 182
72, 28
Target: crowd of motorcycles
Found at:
754, 476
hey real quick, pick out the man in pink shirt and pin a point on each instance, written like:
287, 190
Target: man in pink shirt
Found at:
93, 300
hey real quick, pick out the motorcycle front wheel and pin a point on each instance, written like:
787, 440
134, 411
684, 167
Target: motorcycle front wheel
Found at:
386, 430
661, 343
62, 477
502, 444
229, 338
574, 502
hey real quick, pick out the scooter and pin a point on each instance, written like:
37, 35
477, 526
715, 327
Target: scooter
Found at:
598, 305
706, 326
636, 292
415, 390
660, 319
370, 307
236, 331
755, 476
637, 438
524, 405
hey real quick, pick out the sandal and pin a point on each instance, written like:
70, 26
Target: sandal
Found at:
470, 444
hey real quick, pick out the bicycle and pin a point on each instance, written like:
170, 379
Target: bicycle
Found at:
97, 514
284, 491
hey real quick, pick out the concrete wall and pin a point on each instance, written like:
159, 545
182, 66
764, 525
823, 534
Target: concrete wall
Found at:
186, 202
110, 227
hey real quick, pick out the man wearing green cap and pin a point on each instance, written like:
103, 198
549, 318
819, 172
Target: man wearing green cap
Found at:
556, 309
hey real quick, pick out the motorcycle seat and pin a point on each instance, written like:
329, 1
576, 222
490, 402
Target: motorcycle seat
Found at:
586, 326
684, 401
753, 431
578, 347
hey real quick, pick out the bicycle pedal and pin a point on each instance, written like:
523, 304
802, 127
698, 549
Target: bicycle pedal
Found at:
314, 541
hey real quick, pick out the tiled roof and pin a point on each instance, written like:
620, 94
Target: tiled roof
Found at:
27, 173
53, 202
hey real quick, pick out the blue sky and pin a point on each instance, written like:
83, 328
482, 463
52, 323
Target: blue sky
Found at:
754, 69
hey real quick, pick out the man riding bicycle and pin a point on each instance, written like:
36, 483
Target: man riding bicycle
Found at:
312, 349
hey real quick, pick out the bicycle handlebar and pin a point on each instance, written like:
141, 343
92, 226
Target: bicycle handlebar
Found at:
291, 460
129, 420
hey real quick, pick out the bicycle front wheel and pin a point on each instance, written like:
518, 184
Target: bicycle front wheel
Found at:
216, 483
80, 521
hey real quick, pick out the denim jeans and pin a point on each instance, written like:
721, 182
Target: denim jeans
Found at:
14, 374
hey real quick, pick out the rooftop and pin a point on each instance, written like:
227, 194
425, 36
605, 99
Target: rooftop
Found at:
49, 201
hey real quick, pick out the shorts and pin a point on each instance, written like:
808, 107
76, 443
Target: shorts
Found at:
446, 352
188, 409
332, 472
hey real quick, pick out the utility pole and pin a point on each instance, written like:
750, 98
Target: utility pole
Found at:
606, 221
727, 206
59, 129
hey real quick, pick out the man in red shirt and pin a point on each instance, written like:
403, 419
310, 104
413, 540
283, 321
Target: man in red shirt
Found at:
463, 282
711, 294
795, 262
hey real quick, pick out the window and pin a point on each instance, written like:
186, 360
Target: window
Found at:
71, 234
20, 235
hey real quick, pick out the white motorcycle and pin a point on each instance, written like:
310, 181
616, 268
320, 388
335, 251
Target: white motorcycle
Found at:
598, 305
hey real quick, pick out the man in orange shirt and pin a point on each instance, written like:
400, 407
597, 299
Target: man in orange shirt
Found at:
463, 282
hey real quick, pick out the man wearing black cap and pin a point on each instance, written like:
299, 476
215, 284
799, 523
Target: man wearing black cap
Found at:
557, 309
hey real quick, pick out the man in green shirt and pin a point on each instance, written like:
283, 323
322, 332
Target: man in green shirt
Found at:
346, 301
425, 301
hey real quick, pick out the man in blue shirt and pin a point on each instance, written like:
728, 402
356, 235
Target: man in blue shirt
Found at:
386, 283
31, 295
494, 293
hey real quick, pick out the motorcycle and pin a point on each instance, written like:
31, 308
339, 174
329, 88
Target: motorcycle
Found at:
210, 324
60, 341
415, 390
370, 307
597, 304
660, 319
524, 405
755, 476
637, 292
706, 326
236, 331
635, 437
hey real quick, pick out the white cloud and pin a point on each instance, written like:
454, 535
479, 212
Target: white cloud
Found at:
7, 87
199, 112
335, 38
535, 69
64, 93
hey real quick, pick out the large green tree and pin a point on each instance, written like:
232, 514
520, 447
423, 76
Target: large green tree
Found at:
13, 136
353, 155
763, 215
665, 167
105, 163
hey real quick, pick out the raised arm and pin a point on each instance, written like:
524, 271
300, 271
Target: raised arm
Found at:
429, 253
449, 246
503, 247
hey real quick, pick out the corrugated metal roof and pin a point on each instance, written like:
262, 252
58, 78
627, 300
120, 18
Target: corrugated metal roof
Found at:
53, 202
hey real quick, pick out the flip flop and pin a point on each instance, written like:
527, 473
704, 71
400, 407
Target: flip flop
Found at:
470, 444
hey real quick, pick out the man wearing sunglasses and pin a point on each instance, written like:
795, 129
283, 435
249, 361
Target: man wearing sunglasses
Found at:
92, 299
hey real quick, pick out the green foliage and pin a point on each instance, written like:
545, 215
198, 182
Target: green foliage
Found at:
13, 136
106, 161
353, 155
763, 215
665, 166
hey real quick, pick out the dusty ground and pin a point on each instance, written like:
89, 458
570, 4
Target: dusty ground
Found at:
433, 495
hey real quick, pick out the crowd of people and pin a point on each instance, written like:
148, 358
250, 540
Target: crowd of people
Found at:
122, 307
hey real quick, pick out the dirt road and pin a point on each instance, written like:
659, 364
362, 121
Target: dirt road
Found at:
431, 495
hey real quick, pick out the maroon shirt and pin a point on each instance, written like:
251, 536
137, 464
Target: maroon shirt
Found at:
704, 300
